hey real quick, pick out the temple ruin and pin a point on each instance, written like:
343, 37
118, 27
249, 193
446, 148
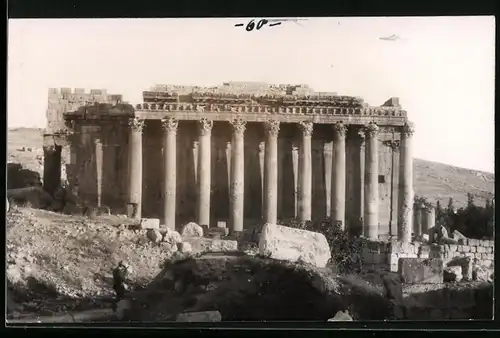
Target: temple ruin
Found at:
243, 153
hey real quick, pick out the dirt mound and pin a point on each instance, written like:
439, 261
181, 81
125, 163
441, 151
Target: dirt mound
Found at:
251, 288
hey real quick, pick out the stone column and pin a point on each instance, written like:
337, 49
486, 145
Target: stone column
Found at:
405, 199
271, 172
169, 170
418, 211
305, 185
371, 204
339, 174
99, 157
204, 171
237, 176
51, 168
428, 219
135, 167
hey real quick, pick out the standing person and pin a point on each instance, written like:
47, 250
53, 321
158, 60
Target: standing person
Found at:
119, 278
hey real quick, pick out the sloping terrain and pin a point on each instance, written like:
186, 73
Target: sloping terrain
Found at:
434, 181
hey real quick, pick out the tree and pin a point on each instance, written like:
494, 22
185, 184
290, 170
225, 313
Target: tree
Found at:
451, 207
470, 201
439, 210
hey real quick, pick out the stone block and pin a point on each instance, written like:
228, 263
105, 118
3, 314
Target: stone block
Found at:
470, 255
341, 316
393, 259
481, 249
473, 242
394, 267
203, 244
192, 230
418, 270
373, 246
289, 244
395, 247
154, 235
463, 241
488, 263
465, 263
465, 248
205, 316
215, 232
149, 223
424, 250
452, 247
452, 274
221, 224
471, 248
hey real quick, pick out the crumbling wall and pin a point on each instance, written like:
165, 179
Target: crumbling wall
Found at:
62, 100
480, 250
386, 255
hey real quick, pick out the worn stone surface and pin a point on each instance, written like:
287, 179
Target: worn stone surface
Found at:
184, 247
205, 316
481, 273
150, 223
154, 235
457, 235
341, 316
465, 263
289, 244
421, 270
452, 274
213, 245
192, 230
171, 236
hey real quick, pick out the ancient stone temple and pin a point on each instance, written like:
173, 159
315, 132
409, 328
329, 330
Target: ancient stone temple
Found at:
244, 153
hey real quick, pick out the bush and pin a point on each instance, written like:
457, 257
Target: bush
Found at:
345, 250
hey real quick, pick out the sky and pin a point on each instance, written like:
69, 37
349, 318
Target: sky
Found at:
441, 68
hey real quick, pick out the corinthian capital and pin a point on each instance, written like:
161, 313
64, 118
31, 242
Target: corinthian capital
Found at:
408, 129
136, 124
306, 127
340, 129
169, 125
239, 125
205, 126
273, 127
371, 129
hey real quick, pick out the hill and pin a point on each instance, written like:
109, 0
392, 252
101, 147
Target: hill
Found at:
433, 180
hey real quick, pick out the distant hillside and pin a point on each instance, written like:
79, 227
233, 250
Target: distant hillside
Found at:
433, 180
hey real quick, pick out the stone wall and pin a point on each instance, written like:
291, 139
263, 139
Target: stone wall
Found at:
61, 100
386, 255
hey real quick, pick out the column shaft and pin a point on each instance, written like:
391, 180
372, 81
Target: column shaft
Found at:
204, 172
271, 172
99, 157
135, 170
237, 176
371, 182
169, 171
339, 175
305, 186
417, 219
405, 213
428, 219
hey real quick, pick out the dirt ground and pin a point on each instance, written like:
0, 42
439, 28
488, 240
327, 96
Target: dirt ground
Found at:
51, 256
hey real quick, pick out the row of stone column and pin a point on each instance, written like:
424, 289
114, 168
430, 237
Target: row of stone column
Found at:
424, 218
371, 194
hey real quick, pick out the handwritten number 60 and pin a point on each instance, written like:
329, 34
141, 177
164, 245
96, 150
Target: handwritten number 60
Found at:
251, 25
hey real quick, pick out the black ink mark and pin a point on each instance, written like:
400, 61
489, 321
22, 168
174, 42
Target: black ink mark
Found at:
261, 23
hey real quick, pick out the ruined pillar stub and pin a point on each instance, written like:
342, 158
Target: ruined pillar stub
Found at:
339, 174
305, 167
237, 176
204, 171
135, 170
169, 126
371, 197
405, 212
271, 172
418, 210
428, 218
